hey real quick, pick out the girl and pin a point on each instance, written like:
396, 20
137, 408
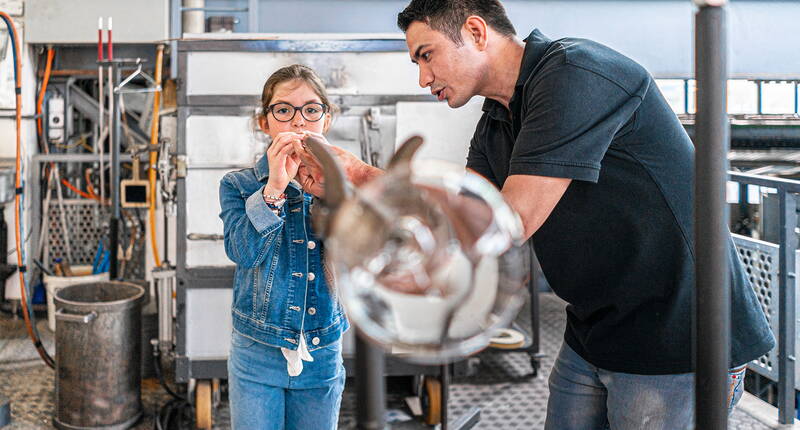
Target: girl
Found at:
285, 368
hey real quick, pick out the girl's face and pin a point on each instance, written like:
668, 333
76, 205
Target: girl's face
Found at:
295, 93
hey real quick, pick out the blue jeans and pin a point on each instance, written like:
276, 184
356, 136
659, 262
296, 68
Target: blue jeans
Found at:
584, 397
264, 397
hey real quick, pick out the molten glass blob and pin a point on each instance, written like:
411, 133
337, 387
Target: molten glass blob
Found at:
430, 261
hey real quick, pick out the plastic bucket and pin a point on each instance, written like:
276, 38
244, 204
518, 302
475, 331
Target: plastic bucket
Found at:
54, 283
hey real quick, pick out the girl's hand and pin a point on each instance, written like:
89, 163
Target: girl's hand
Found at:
283, 161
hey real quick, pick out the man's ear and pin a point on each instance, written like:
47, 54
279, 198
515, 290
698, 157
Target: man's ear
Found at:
263, 124
327, 124
475, 30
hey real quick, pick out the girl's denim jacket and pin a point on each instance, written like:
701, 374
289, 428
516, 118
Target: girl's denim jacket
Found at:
280, 288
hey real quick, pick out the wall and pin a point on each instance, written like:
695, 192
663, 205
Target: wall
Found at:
659, 34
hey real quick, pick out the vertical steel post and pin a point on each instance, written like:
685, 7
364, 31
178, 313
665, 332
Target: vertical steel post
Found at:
786, 316
370, 386
711, 237
759, 97
445, 395
175, 33
252, 16
116, 135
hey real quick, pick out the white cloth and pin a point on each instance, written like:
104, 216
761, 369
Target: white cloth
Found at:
294, 359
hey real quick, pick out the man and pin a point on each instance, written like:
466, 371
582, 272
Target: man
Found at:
586, 149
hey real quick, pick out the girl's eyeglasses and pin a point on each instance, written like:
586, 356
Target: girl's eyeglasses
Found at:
284, 112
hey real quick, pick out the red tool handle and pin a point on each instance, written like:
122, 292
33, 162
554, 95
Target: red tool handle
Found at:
100, 39
110, 42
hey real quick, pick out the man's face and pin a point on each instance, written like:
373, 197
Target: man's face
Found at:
452, 72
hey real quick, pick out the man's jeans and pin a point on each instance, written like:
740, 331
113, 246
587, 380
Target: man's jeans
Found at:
264, 397
584, 397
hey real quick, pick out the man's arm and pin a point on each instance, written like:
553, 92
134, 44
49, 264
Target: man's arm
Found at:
533, 198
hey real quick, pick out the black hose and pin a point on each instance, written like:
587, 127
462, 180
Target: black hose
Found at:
160, 374
170, 411
178, 408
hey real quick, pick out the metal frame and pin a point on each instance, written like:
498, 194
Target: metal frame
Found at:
218, 277
222, 277
787, 282
36, 191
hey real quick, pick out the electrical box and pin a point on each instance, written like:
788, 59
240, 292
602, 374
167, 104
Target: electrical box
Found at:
55, 120
59, 21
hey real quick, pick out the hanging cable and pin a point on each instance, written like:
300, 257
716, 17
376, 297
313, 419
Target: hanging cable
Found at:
151, 173
45, 80
12, 31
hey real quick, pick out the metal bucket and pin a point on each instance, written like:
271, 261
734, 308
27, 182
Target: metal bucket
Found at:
98, 356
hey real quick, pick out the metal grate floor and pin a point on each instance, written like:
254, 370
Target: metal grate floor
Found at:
508, 397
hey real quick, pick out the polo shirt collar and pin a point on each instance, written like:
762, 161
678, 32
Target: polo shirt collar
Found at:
536, 45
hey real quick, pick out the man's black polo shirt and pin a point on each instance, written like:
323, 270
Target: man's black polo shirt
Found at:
618, 245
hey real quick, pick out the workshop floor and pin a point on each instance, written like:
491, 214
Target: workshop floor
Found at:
501, 387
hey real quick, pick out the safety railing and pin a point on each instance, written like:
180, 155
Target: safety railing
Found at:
759, 257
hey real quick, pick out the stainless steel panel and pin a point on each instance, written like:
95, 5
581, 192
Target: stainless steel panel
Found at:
212, 141
244, 73
447, 132
55, 21
202, 208
208, 323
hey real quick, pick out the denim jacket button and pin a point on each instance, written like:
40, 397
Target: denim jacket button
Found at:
315, 341
312, 311
311, 244
312, 276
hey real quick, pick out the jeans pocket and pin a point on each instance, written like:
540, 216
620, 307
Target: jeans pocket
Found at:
239, 340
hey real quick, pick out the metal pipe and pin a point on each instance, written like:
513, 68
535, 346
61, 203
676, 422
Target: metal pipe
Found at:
711, 236
786, 315
175, 33
165, 284
116, 136
445, 393
370, 386
252, 16
194, 18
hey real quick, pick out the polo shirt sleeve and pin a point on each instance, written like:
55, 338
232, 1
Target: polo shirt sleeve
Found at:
477, 161
570, 117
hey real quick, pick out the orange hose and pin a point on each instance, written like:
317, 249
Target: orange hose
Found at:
45, 79
151, 173
89, 187
76, 191
18, 183
86, 195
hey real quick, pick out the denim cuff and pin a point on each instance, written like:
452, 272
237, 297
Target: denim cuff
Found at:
259, 213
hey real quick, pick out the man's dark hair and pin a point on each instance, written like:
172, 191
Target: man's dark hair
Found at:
447, 16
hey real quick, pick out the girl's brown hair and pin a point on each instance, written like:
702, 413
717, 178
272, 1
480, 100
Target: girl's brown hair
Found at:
289, 73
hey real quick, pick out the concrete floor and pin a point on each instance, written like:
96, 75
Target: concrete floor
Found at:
501, 386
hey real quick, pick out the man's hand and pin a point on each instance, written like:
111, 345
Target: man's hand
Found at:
311, 180
310, 173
